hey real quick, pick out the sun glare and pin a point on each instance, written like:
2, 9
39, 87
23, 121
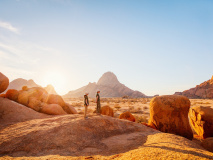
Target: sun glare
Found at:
56, 79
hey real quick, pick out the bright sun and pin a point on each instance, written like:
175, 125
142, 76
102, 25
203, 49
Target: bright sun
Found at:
56, 79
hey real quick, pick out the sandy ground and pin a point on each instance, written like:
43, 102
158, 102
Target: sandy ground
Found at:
138, 107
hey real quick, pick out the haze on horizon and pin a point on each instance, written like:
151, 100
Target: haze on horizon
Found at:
155, 47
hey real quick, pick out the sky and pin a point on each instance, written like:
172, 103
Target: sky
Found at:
155, 47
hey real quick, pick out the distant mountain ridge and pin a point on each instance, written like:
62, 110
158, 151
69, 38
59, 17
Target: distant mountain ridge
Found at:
20, 82
109, 86
204, 90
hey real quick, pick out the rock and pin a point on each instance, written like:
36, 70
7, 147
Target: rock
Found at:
38, 92
201, 119
208, 144
56, 99
108, 111
3, 95
23, 97
52, 109
35, 104
98, 137
72, 109
25, 88
170, 114
4, 82
12, 112
127, 115
12, 94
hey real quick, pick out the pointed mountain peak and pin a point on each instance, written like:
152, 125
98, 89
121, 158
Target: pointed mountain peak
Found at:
212, 78
107, 79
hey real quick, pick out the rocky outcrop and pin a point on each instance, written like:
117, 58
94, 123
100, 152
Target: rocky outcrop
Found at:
12, 112
201, 119
98, 137
4, 82
108, 111
208, 144
204, 90
109, 86
128, 116
38, 99
170, 114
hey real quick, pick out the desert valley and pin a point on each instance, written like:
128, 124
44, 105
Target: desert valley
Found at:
37, 123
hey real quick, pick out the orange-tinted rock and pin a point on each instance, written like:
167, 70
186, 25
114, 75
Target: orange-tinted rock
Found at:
23, 97
4, 82
3, 95
106, 110
201, 119
35, 104
25, 88
127, 115
170, 114
38, 92
208, 144
56, 99
53, 109
72, 109
12, 94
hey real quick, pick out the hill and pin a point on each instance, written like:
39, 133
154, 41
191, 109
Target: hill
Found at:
204, 90
109, 86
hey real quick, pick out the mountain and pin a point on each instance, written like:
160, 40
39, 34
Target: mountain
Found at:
20, 82
109, 86
204, 90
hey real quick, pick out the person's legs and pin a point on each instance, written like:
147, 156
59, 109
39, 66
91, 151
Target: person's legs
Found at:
85, 111
99, 108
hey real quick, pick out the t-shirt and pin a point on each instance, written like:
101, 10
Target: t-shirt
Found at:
86, 100
98, 99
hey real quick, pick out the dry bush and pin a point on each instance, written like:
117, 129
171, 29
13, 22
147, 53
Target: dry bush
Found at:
142, 118
117, 106
145, 107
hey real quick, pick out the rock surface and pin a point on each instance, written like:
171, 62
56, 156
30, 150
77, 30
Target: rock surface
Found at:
128, 116
201, 119
170, 114
4, 82
208, 144
12, 112
108, 111
204, 90
53, 109
109, 86
98, 137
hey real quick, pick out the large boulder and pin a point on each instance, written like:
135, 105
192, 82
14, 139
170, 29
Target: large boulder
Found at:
201, 119
35, 104
72, 109
52, 109
127, 115
56, 99
23, 97
12, 94
169, 114
208, 144
4, 82
108, 111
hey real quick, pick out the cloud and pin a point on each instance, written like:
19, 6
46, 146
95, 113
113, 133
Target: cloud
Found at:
9, 27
